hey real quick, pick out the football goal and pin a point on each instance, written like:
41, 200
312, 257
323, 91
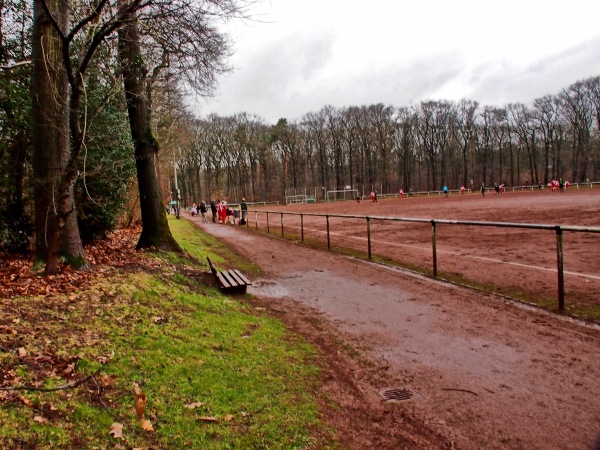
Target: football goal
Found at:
346, 194
300, 198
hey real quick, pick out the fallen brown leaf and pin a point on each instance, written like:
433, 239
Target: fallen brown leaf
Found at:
140, 401
116, 429
208, 419
107, 380
193, 405
146, 425
69, 369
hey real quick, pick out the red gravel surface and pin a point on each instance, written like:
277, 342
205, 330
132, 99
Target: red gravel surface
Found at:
481, 371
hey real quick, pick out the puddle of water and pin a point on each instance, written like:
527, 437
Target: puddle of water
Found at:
267, 288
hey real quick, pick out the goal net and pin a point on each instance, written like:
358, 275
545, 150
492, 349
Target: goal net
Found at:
300, 198
346, 194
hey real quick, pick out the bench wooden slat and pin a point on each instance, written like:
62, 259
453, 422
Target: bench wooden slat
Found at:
222, 280
230, 279
234, 274
242, 277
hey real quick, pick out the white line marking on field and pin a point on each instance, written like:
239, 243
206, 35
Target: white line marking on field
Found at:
428, 249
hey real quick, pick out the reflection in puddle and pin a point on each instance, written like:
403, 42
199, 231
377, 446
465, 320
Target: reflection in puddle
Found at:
267, 288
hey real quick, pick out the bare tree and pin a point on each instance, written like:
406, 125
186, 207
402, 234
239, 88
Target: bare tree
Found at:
405, 144
592, 86
546, 115
464, 131
499, 127
577, 108
315, 123
522, 121
382, 123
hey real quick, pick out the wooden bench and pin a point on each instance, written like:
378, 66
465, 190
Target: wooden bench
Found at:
230, 280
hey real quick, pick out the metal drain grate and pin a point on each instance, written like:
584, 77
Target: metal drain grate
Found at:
397, 395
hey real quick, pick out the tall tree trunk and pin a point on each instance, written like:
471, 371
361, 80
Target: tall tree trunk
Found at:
56, 222
49, 90
155, 228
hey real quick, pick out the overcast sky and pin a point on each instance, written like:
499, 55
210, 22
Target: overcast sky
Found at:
301, 55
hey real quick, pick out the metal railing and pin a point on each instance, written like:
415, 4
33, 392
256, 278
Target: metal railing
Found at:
558, 229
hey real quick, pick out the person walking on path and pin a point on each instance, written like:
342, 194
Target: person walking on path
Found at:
213, 210
222, 211
203, 212
244, 211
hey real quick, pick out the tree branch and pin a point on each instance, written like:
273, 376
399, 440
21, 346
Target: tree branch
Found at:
15, 65
94, 15
58, 388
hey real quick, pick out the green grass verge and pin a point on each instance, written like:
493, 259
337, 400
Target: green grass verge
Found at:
216, 372
200, 245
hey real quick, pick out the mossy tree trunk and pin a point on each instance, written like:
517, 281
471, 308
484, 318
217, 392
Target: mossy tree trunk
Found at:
56, 222
155, 228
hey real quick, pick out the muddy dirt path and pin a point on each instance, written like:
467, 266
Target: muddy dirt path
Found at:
481, 372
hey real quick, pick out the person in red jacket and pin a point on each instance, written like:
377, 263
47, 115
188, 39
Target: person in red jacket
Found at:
222, 211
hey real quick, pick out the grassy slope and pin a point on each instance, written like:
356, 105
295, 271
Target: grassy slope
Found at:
215, 372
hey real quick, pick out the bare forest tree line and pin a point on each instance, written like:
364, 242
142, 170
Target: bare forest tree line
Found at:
420, 147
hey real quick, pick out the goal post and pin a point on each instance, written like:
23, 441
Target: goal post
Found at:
300, 198
346, 194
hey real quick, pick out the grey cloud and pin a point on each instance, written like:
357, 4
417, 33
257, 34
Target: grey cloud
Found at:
397, 86
286, 79
261, 80
504, 84
278, 66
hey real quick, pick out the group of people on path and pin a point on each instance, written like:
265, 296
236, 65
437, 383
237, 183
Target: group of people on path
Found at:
222, 213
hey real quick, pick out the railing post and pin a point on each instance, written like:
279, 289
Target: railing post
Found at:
369, 235
256, 219
328, 238
560, 267
268, 232
434, 245
282, 225
302, 226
